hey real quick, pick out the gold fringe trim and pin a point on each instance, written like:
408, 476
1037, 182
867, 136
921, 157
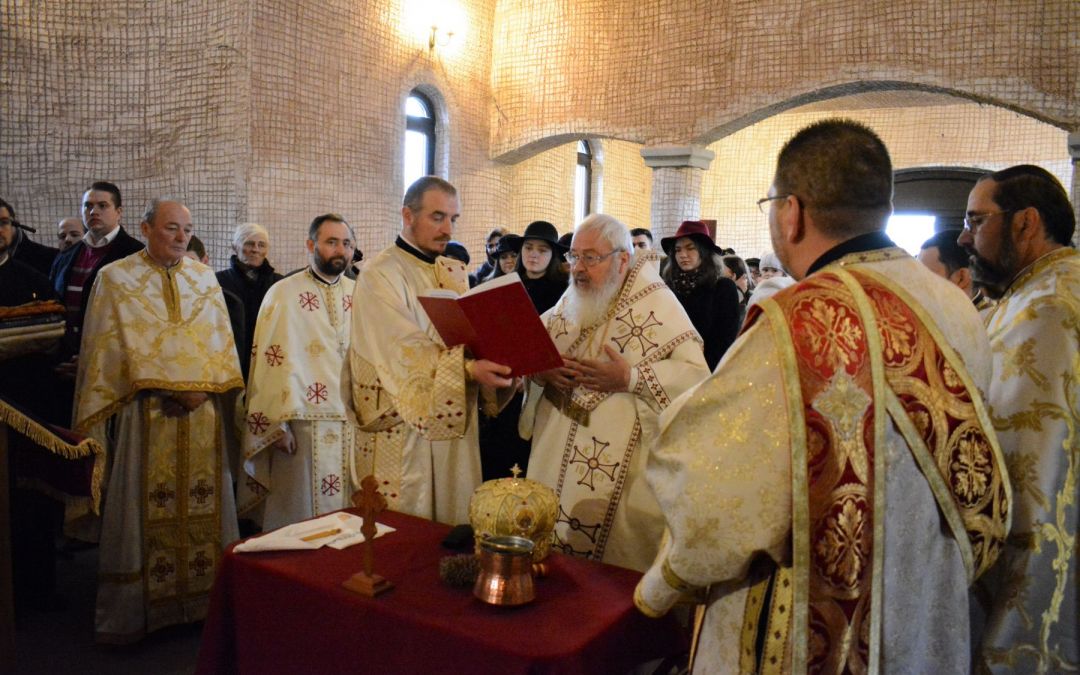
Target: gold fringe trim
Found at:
41, 436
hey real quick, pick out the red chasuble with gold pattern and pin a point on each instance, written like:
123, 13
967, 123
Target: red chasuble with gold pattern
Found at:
857, 353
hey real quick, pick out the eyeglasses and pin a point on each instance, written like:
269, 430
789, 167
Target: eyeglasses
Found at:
765, 200
589, 259
6, 222
973, 222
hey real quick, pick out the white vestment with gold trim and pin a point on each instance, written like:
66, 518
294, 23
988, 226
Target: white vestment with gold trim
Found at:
1033, 621
299, 377
418, 415
169, 507
590, 447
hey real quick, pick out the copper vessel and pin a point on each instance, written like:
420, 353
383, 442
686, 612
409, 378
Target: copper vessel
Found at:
505, 571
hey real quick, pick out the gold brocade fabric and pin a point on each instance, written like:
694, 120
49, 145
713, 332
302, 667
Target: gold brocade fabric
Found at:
1031, 595
148, 327
856, 342
415, 408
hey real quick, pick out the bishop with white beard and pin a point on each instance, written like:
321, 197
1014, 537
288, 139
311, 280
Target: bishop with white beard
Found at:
629, 350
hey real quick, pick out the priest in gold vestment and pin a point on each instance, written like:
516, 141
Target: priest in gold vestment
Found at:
156, 385
416, 399
1018, 228
835, 486
629, 350
299, 429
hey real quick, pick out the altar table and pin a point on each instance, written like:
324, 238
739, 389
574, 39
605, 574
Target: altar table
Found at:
286, 612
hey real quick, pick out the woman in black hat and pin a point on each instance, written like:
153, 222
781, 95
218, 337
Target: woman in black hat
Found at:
695, 275
539, 264
505, 256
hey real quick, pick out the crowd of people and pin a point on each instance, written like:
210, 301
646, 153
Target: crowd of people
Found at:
871, 458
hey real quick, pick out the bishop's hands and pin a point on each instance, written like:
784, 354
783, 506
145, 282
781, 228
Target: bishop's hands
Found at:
607, 375
180, 403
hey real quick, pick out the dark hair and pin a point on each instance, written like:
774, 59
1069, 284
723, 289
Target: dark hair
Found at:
495, 232
638, 231
1019, 187
105, 186
9, 207
839, 170
456, 250
313, 231
736, 265
195, 244
414, 196
951, 254
554, 271
709, 268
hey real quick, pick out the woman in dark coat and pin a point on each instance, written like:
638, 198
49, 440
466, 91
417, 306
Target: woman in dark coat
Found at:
248, 278
539, 264
695, 275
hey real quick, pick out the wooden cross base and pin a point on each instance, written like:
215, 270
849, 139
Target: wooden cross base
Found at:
369, 586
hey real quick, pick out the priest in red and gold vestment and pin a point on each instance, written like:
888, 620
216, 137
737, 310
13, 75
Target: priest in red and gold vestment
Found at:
158, 376
835, 486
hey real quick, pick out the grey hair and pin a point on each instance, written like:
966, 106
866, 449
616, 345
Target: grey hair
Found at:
154, 204
245, 230
610, 229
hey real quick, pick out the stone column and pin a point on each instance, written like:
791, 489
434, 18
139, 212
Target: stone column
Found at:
676, 184
1074, 192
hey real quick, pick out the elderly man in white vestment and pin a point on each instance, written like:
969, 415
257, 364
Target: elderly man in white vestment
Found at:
835, 484
299, 429
416, 399
1018, 230
156, 385
629, 349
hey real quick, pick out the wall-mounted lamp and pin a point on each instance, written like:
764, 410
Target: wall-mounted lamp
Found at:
435, 38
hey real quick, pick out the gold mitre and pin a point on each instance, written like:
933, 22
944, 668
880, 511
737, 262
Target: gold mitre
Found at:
515, 506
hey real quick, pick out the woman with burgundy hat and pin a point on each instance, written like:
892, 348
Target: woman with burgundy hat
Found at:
695, 275
539, 258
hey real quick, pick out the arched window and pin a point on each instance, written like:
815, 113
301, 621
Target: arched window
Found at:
583, 182
419, 137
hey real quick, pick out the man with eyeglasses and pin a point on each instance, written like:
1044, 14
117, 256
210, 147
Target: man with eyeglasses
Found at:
629, 349
1018, 230
836, 481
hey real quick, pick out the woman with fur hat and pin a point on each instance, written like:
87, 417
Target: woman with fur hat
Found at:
695, 275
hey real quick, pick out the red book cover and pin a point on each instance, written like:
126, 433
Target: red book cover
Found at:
498, 322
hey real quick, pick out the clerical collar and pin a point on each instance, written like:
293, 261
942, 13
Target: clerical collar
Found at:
412, 250
871, 241
320, 277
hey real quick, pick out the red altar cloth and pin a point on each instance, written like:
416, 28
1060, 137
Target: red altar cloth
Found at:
286, 612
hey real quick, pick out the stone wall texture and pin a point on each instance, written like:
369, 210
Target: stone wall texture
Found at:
274, 111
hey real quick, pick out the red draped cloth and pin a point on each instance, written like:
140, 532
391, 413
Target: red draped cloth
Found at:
286, 612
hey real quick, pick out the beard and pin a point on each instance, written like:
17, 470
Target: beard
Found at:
585, 307
330, 266
994, 275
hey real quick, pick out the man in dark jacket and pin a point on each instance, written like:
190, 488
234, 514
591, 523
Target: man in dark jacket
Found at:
74, 270
248, 277
19, 246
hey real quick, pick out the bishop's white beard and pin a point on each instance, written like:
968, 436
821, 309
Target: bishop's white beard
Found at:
585, 308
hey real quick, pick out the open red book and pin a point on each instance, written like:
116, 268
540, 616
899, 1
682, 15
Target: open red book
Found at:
497, 321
